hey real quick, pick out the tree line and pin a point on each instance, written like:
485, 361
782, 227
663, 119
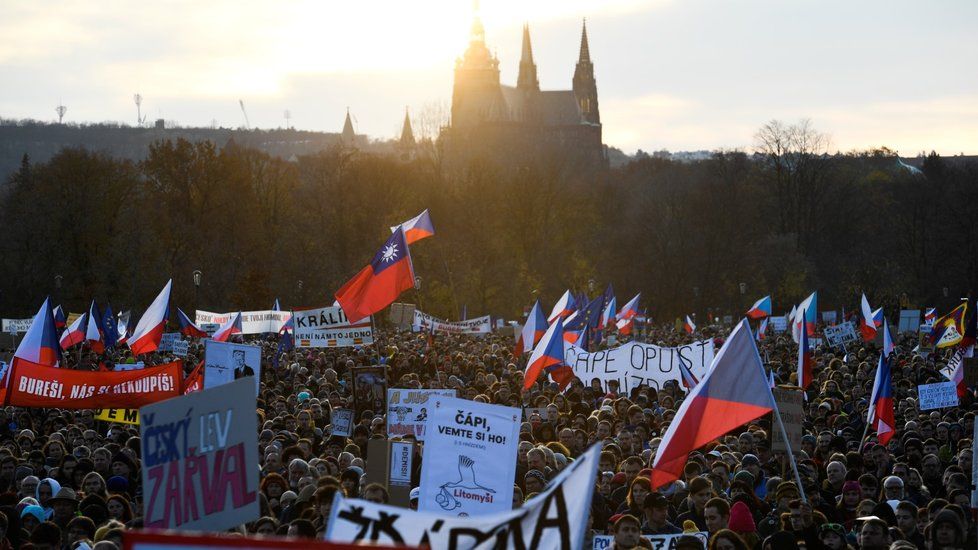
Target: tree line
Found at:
788, 219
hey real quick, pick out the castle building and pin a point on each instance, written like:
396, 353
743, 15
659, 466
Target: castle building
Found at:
520, 125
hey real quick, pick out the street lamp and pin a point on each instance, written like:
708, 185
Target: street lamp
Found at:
946, 291
198, 275
417, 287
590, 287
57, 287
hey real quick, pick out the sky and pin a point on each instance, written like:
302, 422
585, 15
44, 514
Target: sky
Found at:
680, 75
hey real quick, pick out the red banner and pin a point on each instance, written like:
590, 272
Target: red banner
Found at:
32, 385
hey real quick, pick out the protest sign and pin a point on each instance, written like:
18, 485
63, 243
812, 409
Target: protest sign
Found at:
369, 390
252, 322
200, 459
528, 413
181, 348
924, 344
634, 364
226, 361
136, 539
120, 367
328, 327
120, 416
937, 396
15, 326
402, 456
468, 464
909, 320
424, 323
792, 408
53, 388
407, 410
166, 341
555, 518
779, 324
840, 334
342, 422
402, 315
829, 317
209, 328
659, 542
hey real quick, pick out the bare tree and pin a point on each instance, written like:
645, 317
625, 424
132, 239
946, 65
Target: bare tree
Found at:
431, 118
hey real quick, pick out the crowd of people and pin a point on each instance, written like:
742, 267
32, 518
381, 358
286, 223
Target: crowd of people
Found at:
70, 481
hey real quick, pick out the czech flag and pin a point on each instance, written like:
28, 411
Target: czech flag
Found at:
93, 334
690, 326
75, 334
277, 306
762, 329
188, 327
40, 342
417, 228
761, 309
548, 356
577, 337
808, 308
60, 321
229, 328
564, 307
734, 392
949, 330
626, 315
881, 414
804, 357
689, 381
878, 317
533, 330
868, 324
122, 326
608, 316
930, 315
380, 283
149, 330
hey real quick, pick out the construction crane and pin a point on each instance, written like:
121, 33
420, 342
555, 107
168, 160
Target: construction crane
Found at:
138, 98
245, 113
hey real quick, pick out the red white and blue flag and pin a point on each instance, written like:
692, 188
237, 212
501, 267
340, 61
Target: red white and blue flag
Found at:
74, 334
690, 326
230, 327
533, 330
577, 337
149, 330
734, 392
417, 228
188, 327
276, 306
60, 321
608, 315
867, 325
930, 314
762, 329
40, 342
627, 314
689, 380
378, 284
881, 414
809, 309
548, 357
805, 359
564, 307
761, 309
93, 333
123, 326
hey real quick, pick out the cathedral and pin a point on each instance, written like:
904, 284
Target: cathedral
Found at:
521, 125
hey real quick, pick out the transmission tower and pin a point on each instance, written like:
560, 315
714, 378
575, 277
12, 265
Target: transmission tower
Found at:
245, 113
61, 110
288, 117
139, 103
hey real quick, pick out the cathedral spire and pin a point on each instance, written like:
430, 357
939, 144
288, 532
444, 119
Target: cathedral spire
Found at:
348, 135
527, 79
407, 134
585, 55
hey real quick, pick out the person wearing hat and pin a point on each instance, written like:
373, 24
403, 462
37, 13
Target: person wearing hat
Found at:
627, 532
656, 511
413, 498
784, 494
65, 504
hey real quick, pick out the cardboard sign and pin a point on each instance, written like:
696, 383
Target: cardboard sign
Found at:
407, 410
120, 416
467, 467
840, 334
342, 422
200, 459
226, 361
402, 315
937, 396
791, 405
328, 327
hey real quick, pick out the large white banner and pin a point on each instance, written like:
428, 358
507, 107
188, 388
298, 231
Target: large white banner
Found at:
424, 323
634, 364
469, 459
556, 518
407, 410
200, 459
328, 327
13, 326
225, 362
252, 322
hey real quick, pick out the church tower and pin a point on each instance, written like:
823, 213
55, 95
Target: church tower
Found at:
527, 79
585, 88
476, 96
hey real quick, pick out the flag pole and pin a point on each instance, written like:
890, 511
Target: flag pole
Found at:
791, 455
